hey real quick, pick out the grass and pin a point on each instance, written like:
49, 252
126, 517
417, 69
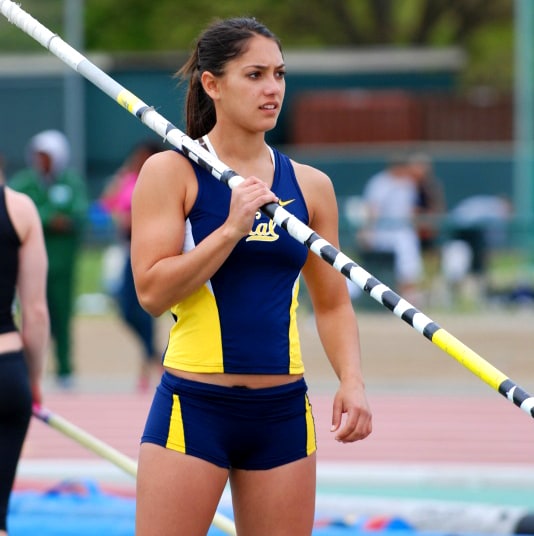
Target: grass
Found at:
89, 280
508, 268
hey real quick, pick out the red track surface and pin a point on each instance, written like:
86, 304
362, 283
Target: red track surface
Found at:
407, 428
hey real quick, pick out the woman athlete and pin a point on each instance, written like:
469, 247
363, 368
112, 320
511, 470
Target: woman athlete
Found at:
232, 404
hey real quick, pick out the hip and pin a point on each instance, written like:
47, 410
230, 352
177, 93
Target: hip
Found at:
10, 342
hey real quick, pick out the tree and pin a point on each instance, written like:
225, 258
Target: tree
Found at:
484, 28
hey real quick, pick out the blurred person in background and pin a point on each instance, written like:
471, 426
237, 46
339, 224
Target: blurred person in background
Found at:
61, 199
390, 198
480, 222
23, 347
117, 200
430, 211
430, 203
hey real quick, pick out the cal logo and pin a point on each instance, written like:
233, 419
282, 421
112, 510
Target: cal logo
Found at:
266, 231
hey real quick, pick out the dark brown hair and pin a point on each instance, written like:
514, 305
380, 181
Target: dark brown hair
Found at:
222, 41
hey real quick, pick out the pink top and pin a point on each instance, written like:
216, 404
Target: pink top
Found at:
121, 201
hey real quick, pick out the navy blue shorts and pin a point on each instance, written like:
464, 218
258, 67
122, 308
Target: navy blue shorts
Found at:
232, 427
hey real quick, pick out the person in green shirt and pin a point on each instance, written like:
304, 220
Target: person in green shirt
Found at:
61, 199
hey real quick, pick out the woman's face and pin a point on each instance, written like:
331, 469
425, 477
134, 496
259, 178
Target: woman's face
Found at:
251, 90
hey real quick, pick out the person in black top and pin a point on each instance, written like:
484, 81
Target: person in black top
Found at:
23, 344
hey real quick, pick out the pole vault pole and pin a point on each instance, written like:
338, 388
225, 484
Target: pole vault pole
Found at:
109, 453
85, 439
297, 229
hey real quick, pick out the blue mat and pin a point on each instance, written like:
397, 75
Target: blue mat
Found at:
83, 509
79, 508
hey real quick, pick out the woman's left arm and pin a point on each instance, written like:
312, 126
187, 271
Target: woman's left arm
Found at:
335, 318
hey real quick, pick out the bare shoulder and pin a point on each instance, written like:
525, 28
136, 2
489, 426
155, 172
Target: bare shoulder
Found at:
316, 185
22, 211
165, 175
164, 166
311, 174
20, 204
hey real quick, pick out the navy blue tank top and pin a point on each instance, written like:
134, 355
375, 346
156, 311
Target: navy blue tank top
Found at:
243, 320
9, 265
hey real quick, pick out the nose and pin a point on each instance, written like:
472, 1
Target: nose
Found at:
274, 85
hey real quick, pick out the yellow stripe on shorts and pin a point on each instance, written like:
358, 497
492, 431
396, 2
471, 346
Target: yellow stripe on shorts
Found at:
176, 437
311, 445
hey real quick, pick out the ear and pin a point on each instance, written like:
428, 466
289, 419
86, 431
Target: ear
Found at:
210, 83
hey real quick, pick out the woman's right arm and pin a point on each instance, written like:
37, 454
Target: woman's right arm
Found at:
31, 287
164, 194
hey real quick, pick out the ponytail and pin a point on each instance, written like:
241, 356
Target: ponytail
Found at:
200, 114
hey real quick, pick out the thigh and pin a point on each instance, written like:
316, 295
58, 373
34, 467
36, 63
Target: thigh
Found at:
15, 414
275, 502
177, 494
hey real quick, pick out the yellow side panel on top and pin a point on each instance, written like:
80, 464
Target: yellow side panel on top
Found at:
296, 366
195, 343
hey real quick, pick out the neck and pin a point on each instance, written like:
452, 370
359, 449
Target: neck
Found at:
238, 146
246, 155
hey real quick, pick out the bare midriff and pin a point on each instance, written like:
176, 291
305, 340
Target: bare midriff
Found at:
10, 342
251, 381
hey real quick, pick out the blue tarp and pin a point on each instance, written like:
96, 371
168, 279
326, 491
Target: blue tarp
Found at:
71, 508
81, 508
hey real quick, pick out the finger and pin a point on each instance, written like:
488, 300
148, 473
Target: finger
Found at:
337, 413
357, 426
348, 427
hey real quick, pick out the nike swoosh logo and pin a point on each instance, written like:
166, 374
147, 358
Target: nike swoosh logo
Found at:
284, 203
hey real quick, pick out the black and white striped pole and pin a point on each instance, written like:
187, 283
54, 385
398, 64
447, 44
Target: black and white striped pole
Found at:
297, 229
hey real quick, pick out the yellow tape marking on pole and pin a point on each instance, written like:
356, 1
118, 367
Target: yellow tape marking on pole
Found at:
128, 100
468, 358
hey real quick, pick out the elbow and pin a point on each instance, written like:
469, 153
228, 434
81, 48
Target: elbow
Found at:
151, 304
149, 294
36, 317
153, 309
39, 314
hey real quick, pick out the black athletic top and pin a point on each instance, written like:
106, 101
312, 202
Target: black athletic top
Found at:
9, 265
